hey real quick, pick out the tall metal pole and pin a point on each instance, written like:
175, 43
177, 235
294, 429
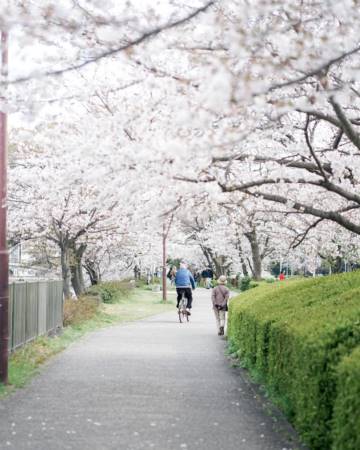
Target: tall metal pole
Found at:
164, 287
4, 254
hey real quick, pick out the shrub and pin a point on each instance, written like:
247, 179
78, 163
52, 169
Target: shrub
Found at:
77, 311
111, 291
346, 419
294, 334
245, 283
270, 280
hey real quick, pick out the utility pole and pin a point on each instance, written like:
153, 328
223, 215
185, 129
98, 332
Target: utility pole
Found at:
4, 254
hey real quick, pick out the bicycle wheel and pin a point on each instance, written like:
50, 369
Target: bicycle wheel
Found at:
181, 309
186, 315
183, 314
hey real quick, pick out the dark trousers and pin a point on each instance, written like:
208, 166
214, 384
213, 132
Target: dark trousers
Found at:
188, 295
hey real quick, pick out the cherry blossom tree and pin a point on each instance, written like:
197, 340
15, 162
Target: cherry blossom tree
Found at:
63, 202
220, 105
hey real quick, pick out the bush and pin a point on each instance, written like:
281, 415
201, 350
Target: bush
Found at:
77, 311
346, 419
246, 283
293, 335
111, 291
270, 280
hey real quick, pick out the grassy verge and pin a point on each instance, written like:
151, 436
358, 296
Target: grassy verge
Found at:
82, 317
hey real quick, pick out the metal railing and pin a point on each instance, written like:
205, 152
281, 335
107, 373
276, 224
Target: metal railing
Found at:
35, 309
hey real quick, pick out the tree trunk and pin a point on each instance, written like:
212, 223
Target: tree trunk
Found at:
81, 275
256, 267
92, 271
241, 256
244, 267
218, 268
77, 278
221, 267
206, 253
65, 269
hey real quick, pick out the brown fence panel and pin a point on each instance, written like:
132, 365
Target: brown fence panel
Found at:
50, 309
11, 292
35, 308
59, 305
42, 308
54, 314
19, 315
32, 300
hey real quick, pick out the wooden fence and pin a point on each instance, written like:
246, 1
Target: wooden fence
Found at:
35, 309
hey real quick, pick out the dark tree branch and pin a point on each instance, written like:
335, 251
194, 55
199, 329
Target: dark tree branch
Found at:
110, 52
345, 123
337, 139
321, 116
309, 210
299, 239
325, 184
312, 151
194, 180
321, 69
286, 161
250, 265
266, 250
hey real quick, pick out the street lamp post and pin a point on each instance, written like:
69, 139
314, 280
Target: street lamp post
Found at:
4, 254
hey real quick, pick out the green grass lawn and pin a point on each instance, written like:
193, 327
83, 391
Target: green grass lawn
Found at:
142, 304
24, 363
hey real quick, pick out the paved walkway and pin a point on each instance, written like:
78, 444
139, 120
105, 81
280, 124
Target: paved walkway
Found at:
152, 384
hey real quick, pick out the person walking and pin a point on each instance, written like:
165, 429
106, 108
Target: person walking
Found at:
220, 296
207, 275
197, 278
184, 281
171, 275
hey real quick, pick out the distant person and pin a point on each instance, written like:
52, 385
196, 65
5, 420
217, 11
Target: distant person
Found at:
137, 272
220, 296
282, 276
204, 275
197, 278
171, 275
207, 275
184, 282
148, 277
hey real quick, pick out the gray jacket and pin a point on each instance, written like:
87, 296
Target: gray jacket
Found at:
220, 295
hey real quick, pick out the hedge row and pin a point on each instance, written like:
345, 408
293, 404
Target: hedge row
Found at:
294, 335
347, 404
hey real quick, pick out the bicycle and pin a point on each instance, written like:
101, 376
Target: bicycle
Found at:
182, 311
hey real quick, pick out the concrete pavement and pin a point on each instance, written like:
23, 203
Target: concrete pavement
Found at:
151, 384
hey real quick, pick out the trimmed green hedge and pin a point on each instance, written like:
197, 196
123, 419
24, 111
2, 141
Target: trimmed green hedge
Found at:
346, 420
293, 335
